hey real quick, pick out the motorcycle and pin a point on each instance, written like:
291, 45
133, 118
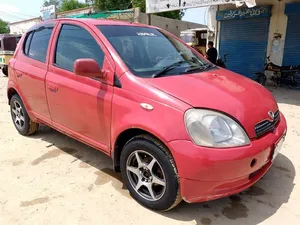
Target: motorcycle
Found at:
221, 61
281, 74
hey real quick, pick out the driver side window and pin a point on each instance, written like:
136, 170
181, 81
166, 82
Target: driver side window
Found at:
74, 43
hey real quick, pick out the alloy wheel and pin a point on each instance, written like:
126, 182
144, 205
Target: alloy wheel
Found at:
146, 175
18, 115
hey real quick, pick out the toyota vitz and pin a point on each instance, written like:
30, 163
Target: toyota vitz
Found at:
176, 126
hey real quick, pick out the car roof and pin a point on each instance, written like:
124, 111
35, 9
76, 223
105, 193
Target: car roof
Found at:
101, 22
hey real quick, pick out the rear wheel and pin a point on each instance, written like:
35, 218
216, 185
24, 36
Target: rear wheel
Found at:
20, 118
292, 82
5, 70
149, 173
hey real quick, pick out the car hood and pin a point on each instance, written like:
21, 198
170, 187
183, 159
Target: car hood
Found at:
221, 90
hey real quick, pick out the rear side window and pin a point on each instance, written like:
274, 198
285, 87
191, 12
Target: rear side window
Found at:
27, 43
37, 42
74, 43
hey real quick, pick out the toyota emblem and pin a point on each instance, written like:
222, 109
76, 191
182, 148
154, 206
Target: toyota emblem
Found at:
271, 114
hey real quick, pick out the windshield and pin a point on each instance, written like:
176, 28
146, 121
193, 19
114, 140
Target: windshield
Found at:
148, 51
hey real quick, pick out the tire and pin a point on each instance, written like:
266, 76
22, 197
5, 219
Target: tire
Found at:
24, 125
261, 78
166, 196
295, 85
5, 70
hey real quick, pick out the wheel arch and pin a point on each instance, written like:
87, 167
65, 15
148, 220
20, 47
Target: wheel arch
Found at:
11, 92
124, 137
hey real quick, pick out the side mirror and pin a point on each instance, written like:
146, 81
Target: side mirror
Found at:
88, 68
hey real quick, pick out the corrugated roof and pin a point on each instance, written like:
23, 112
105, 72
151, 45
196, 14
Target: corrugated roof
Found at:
27, 20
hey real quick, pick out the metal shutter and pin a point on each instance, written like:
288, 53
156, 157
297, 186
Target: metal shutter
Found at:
291, 54
246, 42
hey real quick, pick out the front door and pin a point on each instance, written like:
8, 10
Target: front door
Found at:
79, 106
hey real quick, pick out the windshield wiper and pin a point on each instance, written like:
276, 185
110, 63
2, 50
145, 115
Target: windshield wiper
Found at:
167, 68
202, 68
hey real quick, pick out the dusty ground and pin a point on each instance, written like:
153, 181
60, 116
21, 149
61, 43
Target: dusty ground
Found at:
52, 179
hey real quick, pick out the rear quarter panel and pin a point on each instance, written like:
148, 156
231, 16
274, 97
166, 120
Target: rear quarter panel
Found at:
12, 83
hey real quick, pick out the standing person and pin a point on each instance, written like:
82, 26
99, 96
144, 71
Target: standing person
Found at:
212, 53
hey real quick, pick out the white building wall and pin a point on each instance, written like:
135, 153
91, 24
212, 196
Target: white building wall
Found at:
171, 25
22, 26
278, 25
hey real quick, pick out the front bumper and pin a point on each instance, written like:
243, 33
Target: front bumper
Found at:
210, 173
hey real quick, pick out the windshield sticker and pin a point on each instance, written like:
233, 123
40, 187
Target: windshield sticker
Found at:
146, 34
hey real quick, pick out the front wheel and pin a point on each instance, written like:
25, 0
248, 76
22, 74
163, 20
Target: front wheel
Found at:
149, 173
261, 78
221, 63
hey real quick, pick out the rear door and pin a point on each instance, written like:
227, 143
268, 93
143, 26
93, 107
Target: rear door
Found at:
31, 68
80, 106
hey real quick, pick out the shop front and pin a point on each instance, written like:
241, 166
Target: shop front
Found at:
292, 41
250, 35
244, 37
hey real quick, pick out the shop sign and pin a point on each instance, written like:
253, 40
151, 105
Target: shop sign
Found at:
245, 13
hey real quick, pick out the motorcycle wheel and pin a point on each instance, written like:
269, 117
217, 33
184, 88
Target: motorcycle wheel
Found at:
294, 85
261, 79
5, 70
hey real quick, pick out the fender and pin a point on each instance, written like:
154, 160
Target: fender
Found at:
127, 113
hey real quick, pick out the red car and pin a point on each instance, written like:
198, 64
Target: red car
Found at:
175, 125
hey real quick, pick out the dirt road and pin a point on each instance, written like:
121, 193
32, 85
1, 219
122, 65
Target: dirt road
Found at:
51, 179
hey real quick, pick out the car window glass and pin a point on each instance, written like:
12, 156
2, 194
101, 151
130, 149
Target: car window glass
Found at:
74, 43
27, 43
39, 44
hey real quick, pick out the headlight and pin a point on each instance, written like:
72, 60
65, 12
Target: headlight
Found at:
212, 129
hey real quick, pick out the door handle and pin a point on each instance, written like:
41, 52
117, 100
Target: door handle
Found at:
19, 74
52, 87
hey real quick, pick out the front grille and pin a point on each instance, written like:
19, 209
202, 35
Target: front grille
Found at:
267, 125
